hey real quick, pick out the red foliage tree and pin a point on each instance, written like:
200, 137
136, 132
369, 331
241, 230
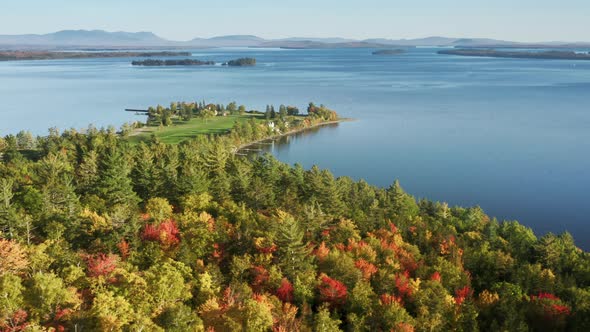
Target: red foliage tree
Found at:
462, 293
392, 228
332, 291
436, 276
217, 251
322, 252
387, 299
150, 233
544, 296
407, 260
169, 233
285, 291
166, 233
368, 269
402, 283
548, 312
260, 277
16, 323
551, 305
123, 247
101, 264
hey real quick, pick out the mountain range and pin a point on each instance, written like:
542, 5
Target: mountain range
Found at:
120, 39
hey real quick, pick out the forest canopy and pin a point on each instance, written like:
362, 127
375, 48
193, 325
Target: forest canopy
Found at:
100, 234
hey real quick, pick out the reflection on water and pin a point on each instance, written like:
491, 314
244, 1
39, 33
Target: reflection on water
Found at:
281, 145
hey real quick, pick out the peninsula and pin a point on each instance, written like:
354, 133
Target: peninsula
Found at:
49, 55
185, 120
549, 55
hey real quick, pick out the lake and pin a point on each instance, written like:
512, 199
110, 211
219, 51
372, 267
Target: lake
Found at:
510, 135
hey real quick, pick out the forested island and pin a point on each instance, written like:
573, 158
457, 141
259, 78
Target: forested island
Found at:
101, 233
182, 62
191, 62
42, 55
241, 62
389, 52
550, 55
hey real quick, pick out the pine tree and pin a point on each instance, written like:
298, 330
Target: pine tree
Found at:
143, 171
87, 172
273, 114
6, 213
403, 204
114, 184
294, 254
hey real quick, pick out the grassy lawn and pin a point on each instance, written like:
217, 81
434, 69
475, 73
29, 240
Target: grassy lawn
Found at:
182, 130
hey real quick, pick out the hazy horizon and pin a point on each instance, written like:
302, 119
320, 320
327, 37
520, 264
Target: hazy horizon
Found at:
301, 36
526, 21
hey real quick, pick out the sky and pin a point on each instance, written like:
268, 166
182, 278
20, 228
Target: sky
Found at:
516, 20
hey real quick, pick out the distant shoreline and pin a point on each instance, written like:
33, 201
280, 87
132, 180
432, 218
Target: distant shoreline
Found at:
55, 55
389, 52
545, 55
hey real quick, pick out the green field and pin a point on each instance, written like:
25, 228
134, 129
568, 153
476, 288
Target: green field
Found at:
182, 130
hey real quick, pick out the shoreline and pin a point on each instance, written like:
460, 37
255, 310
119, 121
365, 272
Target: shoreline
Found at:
291, 132
492, 53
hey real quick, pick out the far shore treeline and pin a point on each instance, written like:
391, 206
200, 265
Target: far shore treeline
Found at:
544, 55
52, 55
101, 234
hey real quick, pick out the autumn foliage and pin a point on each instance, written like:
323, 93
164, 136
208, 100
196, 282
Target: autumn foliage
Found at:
193, 237
101, 264
368, 269
402, 284
166, 233
285, 291
462, 294
332, 291
260, 277
12, 257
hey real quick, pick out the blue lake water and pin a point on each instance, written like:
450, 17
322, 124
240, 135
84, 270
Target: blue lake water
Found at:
510, 135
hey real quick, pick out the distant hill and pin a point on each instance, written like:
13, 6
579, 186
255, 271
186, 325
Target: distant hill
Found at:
440, 41
86, 37
103, 39
318, 40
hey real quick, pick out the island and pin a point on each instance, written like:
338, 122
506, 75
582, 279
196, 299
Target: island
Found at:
183, 62
50, 55
241, 62
546, 55
389, 52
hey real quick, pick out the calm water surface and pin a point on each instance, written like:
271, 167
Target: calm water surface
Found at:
510, 135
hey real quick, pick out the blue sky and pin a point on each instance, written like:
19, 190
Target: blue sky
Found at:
520, 20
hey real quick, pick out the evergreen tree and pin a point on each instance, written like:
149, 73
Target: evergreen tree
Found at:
87, 173
273, 114
403, 204
114, 184
294, 253
282, 111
